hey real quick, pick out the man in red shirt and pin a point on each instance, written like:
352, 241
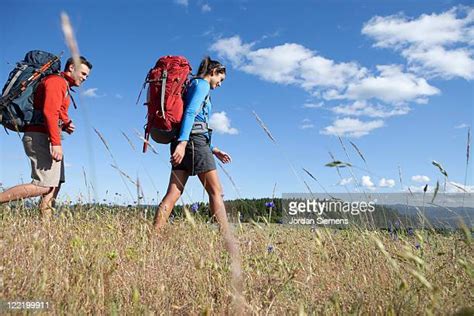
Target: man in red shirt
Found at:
42, 140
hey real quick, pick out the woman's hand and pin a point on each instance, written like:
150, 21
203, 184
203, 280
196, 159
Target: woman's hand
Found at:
221, 155
178, 154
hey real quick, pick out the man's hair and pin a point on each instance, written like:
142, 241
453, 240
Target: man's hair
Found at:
82, 59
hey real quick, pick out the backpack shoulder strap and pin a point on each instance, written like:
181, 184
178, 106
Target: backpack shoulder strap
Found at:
19, 71
68, 91
206, 99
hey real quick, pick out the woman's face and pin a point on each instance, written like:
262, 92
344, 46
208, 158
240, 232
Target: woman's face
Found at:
216, 80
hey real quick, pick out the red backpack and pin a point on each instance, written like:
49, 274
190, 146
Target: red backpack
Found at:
167, 82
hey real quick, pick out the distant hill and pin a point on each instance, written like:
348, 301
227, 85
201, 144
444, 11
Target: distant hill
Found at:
439, 216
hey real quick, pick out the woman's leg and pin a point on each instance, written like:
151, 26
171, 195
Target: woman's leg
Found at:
211, 183
178, 179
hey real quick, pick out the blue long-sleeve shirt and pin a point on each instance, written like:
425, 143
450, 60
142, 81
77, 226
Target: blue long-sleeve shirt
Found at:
195, 111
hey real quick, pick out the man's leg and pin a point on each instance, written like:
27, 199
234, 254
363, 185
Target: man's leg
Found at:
47, 203
178, 179
55, 195
23, 191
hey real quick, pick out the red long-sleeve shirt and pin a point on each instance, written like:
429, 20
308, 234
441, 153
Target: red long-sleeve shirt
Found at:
52, 98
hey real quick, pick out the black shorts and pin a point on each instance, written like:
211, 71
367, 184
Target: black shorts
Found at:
198, 157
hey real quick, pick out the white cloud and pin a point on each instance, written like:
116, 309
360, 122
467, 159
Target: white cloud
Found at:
418, 189
351, 127
271, 35
313, 105
345, 181
306, 124
232, 49
280, 64
386, 183
91, 93
366, 182
454, 187
182, 2
463, 125
293, 63
438, 61
420, 179
118, 96
362, 108
289, 63
206, 8
435, 45
318, 71
221, 124
451, 187
326, 79
391, 86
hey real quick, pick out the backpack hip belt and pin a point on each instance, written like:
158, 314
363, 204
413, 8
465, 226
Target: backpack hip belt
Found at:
200, 128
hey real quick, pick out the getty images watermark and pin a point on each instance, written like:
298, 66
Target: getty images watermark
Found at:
322, 211
376, 209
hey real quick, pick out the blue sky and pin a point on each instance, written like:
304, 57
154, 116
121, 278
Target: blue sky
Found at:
393, 77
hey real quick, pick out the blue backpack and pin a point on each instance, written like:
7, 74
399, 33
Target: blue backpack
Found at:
16, 102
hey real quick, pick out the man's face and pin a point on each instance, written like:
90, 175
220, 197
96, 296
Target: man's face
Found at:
80, 75
216, 80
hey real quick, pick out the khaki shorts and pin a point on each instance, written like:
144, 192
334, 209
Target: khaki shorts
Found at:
45, 171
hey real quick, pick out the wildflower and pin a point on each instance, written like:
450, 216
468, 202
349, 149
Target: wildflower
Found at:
411, 232
269, 204
417, 245
394, 231
397, 224
194, 207
270, 248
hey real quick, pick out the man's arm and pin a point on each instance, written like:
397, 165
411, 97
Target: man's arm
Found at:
54, 94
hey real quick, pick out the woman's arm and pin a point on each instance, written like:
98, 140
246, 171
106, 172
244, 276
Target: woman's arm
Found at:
197, 93
221, 155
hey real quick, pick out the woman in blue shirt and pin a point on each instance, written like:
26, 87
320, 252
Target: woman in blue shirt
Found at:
192, 153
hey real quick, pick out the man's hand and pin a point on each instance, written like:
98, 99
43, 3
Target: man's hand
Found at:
70, 128
178, 154
57, 152
221, 155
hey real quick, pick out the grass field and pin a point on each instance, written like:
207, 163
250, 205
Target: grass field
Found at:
95, 261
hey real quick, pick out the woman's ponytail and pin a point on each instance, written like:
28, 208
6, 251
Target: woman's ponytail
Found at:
208, 65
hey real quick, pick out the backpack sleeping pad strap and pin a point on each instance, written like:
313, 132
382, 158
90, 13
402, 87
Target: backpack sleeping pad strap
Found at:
164, 76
